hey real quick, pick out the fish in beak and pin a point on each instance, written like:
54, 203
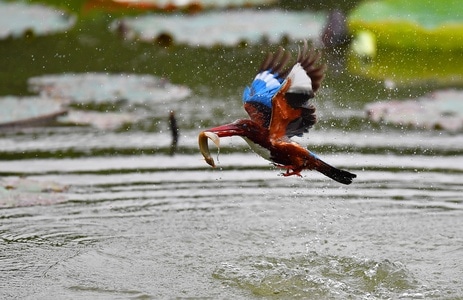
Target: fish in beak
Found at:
204, 146
214, 134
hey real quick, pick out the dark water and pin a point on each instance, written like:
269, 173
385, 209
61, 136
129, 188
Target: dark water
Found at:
135, 222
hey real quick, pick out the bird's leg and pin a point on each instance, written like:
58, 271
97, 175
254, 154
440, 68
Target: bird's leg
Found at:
290, 171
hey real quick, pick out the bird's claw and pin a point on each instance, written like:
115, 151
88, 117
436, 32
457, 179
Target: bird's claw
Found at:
289, 171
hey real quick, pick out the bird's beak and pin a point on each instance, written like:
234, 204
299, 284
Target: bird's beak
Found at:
214, 134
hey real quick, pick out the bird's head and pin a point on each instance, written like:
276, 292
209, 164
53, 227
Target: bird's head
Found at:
244, 128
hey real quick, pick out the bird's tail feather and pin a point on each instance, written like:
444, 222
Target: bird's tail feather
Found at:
334, 173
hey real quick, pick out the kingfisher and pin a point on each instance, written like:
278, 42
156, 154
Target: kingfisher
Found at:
279, 108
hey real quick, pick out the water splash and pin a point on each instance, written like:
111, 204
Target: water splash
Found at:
313, 276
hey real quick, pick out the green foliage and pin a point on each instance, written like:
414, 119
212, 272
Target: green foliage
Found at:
428, 25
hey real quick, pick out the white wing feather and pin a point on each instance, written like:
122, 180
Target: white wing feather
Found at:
300, 81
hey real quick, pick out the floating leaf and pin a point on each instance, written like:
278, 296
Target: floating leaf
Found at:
106, 120
28, 111
411, 24
440, 110
100, 88
406, 41
224, 28
16, 192
18, 19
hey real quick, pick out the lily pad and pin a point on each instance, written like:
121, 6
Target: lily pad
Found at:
188, 4
408, 41
15, 192
104, 121
28, 111
102, 88
18, 19
415, 24
228, 28
439, 110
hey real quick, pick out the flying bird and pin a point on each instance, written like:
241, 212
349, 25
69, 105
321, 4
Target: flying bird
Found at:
278, 104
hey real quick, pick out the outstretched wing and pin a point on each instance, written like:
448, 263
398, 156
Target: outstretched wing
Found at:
292, 113
257, 98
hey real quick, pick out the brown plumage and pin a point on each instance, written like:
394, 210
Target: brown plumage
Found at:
279, 107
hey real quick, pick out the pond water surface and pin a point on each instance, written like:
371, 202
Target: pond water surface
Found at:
152, 225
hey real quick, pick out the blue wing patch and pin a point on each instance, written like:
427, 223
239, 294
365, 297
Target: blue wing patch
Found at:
262, 89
